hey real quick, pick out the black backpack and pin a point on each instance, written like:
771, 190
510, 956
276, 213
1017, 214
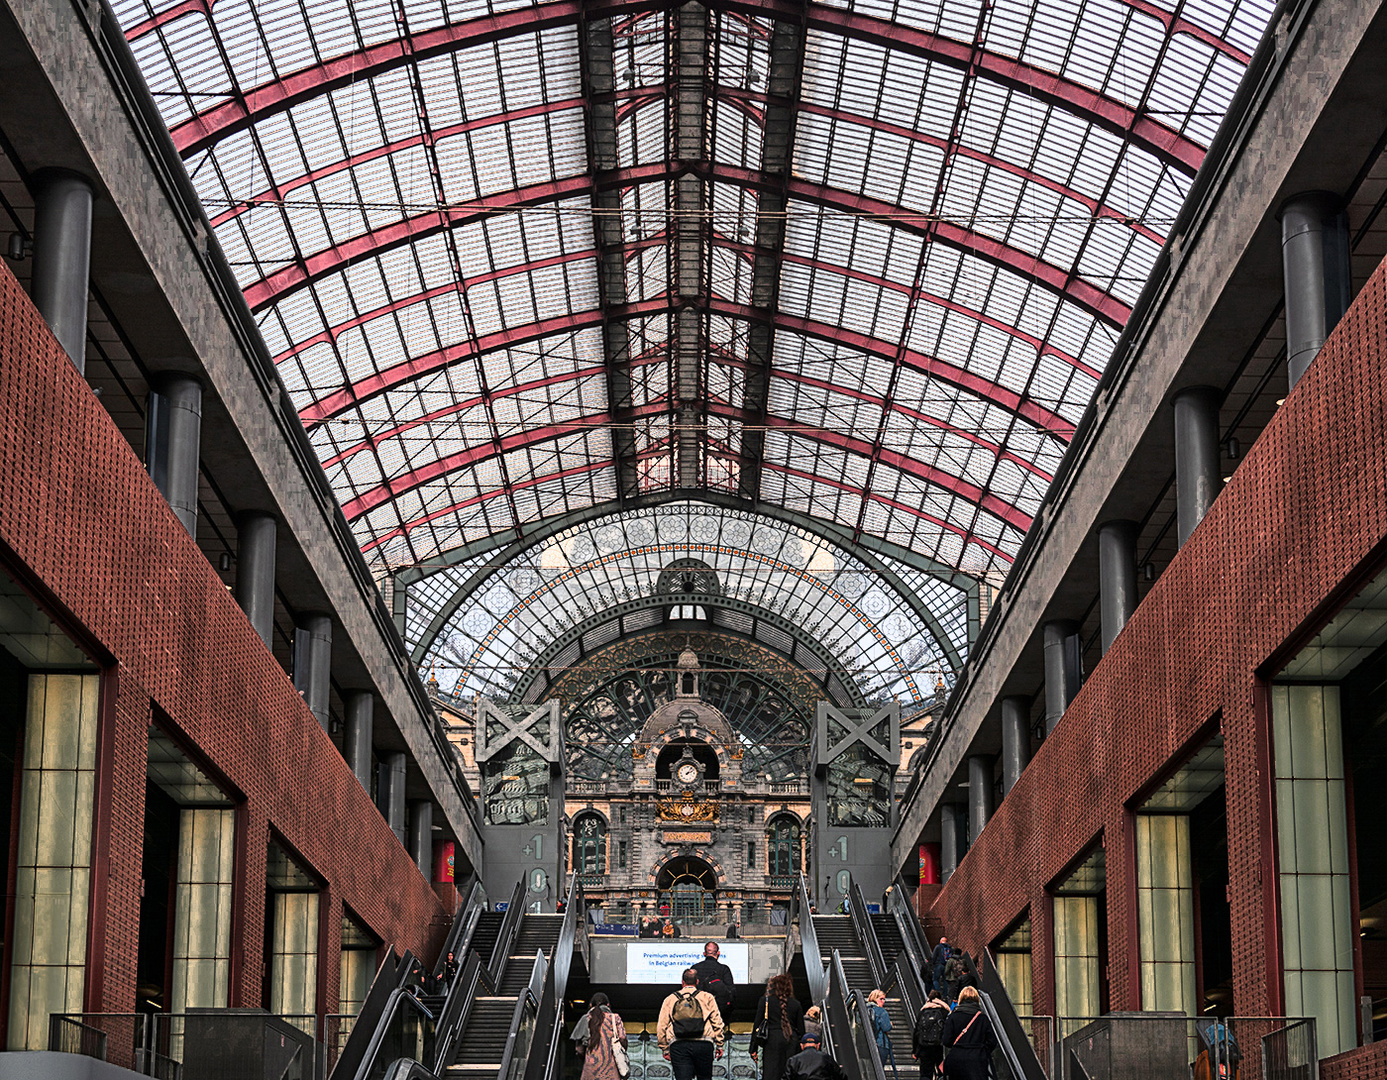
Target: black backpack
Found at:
722, 993
929, 1028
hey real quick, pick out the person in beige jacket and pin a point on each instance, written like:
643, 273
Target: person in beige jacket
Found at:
690, 1056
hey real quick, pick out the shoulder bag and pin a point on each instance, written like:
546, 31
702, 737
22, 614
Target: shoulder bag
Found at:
619, 1054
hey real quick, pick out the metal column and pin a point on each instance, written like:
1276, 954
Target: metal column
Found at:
1117, 576
1016, 740
953, 820
173, 442
62, 258
1063, 666
980, 783
313, 663
391, 795
255, 571
421, 835
1197, 479
1318, 276
356, 740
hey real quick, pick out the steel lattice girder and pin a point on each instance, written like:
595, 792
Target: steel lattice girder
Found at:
1109, 114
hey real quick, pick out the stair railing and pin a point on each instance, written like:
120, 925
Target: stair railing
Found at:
523, 1022
809, 947
867, 934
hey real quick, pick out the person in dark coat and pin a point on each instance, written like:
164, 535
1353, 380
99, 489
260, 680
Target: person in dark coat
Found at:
811, 1063
783, 1016
939, 958
969, 1037
716, 977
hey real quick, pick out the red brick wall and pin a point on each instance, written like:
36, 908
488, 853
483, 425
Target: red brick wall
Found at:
1365, 1063
1304, 516
83, 522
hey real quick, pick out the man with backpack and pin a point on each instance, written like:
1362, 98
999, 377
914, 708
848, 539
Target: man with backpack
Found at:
716, 978
928, 1041
690, 1030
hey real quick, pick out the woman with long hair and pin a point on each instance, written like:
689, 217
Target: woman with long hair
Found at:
594, 1034
777, 1027
969, 1038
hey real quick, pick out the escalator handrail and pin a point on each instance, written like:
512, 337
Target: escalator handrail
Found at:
866, 933
505, 937
529, 997
399, 998
1016, 1044
912, 933
809, 947
458, 1007
873, 1068
464, 924
912, 988
572, 932
393, 968
838, 1014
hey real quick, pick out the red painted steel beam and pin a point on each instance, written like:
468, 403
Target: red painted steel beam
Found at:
206, 128
1087, 296
1178, 24
168, 15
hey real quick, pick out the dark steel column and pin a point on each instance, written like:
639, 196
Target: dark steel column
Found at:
1016, 740
173, 442
62, 258
421, 835
1117, 576
356, 741
255, 571
1063, 668
1197, 479
391, 794
980, 783
953, 846
1315, 259
313, 663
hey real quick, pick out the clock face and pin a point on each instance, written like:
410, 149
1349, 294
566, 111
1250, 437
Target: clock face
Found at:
688, 772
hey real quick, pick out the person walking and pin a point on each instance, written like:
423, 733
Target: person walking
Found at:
597, 1035
716, 978
690, 1030
928, 1038
881, 1030
968, 1035
778, 1026
955, 972
814, 1021
811, 1063
939, 958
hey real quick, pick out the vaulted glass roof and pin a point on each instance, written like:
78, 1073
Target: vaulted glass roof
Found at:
857, 261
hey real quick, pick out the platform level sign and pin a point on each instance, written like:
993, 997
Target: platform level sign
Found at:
657, 962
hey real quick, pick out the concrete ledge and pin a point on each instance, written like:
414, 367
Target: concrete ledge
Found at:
51, 1065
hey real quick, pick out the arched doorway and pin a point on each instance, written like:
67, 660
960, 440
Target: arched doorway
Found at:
689, 886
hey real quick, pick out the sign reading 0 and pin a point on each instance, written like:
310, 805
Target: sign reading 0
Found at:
661, 963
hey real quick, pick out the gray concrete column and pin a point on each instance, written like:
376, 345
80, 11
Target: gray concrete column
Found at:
390, 796
356, 742
952, 821
1117, 576
255, 571
1197, 479
421, 835
1016, 740
313, 663
62, 258
980, 783
1315, 261
173, 443
1063, 668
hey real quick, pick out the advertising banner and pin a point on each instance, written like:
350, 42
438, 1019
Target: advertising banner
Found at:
658, 962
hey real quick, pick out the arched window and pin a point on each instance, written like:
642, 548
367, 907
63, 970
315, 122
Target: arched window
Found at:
590, 844
782, 846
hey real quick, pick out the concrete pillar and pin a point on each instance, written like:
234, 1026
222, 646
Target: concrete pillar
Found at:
1315, 261
1117, 576
421, 835
356, 742
313, 663
953, 841
390, 796
62, 258
1063, 667
255, 571
1197, 479
1016, 740
979, 795
173, 442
